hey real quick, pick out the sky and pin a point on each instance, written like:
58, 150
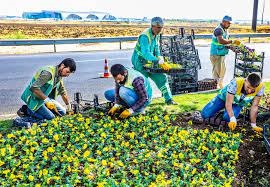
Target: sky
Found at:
178, 9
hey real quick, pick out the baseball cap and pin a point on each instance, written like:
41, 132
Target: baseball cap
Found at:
157, 21
227, 18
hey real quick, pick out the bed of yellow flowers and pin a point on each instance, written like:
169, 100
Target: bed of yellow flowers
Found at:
101, 151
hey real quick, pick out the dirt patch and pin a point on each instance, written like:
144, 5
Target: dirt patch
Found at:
253, 167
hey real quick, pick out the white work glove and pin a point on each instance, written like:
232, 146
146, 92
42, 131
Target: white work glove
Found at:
69, 109
232, 124
68, 106
256, 128
161, 60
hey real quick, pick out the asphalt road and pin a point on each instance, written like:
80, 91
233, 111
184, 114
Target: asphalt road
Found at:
17, 70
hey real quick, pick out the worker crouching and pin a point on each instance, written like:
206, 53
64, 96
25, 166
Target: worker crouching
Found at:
132, 91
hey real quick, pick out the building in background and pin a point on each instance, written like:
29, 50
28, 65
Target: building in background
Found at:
77, 16
53, 15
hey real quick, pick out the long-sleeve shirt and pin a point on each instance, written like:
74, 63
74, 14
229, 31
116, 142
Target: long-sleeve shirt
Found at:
140, 90
44, 77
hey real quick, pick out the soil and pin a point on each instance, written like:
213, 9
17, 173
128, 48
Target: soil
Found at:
253, 167
66, 29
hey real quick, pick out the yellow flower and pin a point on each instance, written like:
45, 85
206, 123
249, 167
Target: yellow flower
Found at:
86, 154
69, 169
222, 175
40, 173
193, 171
11, 136
6, 171
126, 144
50, 150
56, 137
25, 166
45, 172
103, 135
91, 160
131, 135
147, 155
99, 152
135, 172
181, 156
105, 149
166, 117
12, 176
104, 163
45, 140
120, 163
44, 124
3, 151
30, 177
107, 171
44, 153
84, 146
1, 163
101, 184
86, 171
77, 152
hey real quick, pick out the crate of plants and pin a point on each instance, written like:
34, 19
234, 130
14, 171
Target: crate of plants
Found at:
157, 68
245, 53
248, 66
207, 84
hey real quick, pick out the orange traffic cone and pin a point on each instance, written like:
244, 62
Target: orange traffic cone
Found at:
106, 73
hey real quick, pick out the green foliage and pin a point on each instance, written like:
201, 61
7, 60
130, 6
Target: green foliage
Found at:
97, 150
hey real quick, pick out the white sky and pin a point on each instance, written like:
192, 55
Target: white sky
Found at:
194, 9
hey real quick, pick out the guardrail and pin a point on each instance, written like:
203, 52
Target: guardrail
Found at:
108, 40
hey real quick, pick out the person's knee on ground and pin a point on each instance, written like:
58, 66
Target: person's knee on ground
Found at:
49, 116
205, 114
212, 108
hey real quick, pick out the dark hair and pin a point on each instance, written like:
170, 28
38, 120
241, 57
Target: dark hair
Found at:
254, 79
69, 62
117, 69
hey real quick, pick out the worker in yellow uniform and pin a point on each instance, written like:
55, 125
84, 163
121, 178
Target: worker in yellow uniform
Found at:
238, 93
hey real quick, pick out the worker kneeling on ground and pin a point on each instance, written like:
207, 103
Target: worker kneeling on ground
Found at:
42, 90
132, 91
238, 93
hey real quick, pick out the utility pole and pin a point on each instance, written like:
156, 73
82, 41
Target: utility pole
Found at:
254, 18
263, 10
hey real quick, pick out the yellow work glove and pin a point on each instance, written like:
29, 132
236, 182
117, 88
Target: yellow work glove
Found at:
165, 66
256, 128
236, 42
50, 104
126, 113
232, 123
114, 109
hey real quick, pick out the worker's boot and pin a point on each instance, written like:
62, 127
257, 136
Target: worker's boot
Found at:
22, 112
171, 102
